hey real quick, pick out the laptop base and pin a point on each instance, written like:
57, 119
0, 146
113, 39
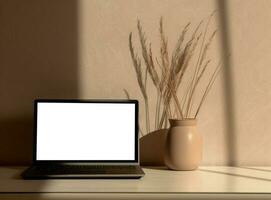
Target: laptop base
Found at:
86, 172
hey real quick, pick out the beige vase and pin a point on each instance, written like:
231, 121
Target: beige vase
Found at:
183, 147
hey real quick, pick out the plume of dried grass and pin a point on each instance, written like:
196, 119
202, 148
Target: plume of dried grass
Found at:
167, 73
142, 85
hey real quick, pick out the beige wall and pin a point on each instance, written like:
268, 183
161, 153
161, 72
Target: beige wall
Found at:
79, 49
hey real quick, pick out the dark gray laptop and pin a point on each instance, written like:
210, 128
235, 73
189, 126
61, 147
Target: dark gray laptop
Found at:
85, 139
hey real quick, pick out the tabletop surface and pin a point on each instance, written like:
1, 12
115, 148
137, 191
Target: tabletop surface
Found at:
157, 180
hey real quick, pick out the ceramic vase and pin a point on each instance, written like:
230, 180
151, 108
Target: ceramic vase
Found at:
183, 146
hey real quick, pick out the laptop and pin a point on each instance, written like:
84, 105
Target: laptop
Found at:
85, 139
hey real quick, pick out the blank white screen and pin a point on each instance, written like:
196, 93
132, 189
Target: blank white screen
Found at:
85, 131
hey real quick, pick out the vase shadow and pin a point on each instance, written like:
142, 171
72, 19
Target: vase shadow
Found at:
152, 148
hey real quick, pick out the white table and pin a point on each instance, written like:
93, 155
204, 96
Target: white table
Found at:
158, 183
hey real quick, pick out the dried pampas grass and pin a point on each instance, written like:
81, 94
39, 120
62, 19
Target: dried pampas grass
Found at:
167, 73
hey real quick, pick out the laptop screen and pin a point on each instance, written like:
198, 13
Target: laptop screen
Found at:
86, 131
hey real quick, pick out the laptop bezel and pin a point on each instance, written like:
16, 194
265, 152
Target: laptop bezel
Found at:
87, 162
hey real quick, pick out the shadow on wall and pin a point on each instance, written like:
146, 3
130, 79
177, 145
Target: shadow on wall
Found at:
230, 121
152, 148
38, 59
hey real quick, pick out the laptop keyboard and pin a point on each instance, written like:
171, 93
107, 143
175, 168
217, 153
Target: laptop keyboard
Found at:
85, 169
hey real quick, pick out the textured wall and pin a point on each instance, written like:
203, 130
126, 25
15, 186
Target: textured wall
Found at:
79, 49
234, 121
